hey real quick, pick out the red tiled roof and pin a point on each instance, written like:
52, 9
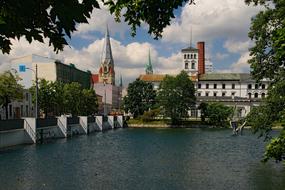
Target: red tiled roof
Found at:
159, 77
95, 78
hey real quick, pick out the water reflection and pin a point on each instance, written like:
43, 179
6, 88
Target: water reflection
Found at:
143, 159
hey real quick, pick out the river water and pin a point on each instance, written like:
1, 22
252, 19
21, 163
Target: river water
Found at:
143, 159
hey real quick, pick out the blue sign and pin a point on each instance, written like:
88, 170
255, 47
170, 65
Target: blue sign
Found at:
22, 68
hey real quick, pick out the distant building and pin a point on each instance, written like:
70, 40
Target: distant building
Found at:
209, 68
233, 89
20, 108
49, 69
104, 82
148, 66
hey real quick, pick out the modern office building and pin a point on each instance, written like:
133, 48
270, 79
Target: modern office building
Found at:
49, 69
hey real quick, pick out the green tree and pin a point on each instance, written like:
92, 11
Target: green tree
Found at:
10, 90
268, 61
46, 96
72, 96
176, 96
89, 102
216, 114
140, 98
59, 97
56, 20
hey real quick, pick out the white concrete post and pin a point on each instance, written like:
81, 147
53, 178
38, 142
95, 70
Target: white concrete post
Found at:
30, 127
99, 122
111, 121
83, 123
120, 120
62, 124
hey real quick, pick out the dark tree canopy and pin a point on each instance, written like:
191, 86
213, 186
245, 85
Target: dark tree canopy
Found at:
268, 61
176, 96
57, 19
140, 98
268, 33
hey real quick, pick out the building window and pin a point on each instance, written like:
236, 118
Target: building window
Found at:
193, 65
186, 65
191, 56
185, 56
249, 95
215, 86
223, 94
215, 93
195, 56
207, 86
199, 94
249, 86
207, 93
27, 96
223, 86
199, 85
233, 86
256, 86
256, 95
263, 86
27, 111
233, 93
263, 95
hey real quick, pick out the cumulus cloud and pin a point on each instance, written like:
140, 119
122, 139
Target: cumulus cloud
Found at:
129, 59
221, 56
98, 21
210, 20
237, 46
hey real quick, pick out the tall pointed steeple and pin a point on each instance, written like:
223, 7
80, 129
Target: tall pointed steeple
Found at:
106, 71
107, 50
148, 66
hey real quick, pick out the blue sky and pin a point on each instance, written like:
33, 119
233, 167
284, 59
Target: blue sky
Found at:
222, 24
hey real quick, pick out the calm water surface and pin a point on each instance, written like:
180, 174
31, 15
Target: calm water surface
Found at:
143, 159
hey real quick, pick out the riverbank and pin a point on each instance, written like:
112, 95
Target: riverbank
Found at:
136, 123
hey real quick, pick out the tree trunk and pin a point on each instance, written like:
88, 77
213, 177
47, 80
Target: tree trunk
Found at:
6, 110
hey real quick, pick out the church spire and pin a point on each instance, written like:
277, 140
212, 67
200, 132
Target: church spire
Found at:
107, 71
148, 67
107, 56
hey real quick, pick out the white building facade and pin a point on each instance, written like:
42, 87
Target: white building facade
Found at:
238, 90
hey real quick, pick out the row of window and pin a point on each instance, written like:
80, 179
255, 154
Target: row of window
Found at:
256, 86
190, 56
192, 65
255, 95
215, 94
233, 86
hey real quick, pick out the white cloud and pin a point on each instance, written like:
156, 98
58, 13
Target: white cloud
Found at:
210, 20
241, 65
98, 22
237, 46
221, 56
129, 59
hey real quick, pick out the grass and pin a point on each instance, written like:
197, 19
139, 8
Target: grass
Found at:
163, 122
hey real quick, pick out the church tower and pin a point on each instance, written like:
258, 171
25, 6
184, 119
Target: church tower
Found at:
106, 71
194, 59
148, 66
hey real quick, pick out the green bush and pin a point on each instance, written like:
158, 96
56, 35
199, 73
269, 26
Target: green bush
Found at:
150, 115
216, 114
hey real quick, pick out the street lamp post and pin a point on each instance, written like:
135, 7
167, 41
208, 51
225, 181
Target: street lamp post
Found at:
22, 68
